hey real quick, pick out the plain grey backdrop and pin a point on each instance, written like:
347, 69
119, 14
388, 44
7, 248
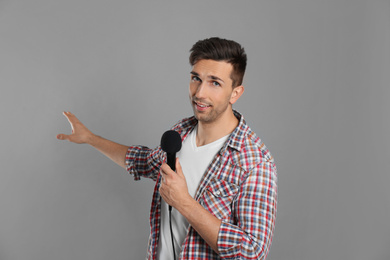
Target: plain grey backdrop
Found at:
317, 93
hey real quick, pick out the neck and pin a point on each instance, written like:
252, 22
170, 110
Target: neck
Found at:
210, 132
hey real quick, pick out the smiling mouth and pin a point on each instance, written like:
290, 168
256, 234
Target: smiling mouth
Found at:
201, 106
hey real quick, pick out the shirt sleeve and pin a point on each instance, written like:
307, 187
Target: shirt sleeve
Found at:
144, 162
254, 210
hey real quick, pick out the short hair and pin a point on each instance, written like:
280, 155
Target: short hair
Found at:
221, 50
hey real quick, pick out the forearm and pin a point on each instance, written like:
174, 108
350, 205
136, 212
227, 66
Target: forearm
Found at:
206, 224
114, 151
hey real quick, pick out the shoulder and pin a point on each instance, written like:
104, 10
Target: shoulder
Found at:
252, 152
185, 126
246, 150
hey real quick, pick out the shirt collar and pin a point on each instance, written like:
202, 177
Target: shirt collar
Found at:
236, 138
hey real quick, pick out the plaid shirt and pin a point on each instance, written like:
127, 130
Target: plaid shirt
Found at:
239, 187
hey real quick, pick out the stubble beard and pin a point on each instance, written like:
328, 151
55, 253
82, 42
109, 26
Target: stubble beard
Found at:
210, 116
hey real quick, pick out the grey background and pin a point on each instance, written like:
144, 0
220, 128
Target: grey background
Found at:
317, 90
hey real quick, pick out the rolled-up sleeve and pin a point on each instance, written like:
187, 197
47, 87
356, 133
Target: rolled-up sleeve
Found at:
254, 212
142, 161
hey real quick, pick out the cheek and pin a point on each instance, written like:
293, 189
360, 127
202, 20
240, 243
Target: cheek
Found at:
223, 97
191, 90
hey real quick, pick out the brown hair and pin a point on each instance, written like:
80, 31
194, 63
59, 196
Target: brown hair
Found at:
221, 50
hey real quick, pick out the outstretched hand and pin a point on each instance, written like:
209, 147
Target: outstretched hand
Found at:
80, 134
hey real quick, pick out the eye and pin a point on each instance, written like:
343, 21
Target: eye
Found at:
195, 79
216, 84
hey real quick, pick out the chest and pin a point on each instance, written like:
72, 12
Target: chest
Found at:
195, 160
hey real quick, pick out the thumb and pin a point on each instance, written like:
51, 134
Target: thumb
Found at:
62, 137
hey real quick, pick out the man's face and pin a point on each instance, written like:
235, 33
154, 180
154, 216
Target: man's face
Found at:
211, 91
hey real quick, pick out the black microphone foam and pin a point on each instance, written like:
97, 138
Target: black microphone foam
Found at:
171, 142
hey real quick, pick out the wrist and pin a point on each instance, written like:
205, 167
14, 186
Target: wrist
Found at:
92, 139
187, 205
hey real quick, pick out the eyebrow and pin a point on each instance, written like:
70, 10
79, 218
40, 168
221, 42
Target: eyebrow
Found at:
211, 76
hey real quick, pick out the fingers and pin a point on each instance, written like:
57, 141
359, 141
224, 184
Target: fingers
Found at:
166, 173
66, 114
71, 118
165, 169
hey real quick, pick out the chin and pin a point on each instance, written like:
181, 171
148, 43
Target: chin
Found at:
204, 118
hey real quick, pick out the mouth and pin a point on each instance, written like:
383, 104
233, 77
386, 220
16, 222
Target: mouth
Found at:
201, 106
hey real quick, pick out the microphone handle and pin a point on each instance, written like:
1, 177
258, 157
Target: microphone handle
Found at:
171, 160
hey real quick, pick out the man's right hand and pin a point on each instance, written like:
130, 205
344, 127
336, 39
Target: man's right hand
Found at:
80, 134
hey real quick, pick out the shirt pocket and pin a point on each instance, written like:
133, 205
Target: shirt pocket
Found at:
218, 198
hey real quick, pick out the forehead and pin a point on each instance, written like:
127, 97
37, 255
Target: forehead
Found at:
207, 68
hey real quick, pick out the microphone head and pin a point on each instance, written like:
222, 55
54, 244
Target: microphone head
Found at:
171, 142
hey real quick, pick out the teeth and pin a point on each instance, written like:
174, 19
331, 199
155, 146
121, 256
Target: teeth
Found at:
201, 105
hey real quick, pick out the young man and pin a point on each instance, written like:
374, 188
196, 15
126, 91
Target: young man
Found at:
224, 190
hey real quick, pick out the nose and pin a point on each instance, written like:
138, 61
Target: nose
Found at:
201, 90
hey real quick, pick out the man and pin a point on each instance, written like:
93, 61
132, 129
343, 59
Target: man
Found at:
224, 190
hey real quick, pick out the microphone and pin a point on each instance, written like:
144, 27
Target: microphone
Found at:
171, 144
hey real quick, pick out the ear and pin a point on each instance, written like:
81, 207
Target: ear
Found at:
236, 94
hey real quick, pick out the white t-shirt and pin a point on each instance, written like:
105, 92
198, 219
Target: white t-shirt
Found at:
194, 162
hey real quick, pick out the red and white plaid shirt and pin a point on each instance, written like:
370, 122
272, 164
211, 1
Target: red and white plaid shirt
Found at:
239, 187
